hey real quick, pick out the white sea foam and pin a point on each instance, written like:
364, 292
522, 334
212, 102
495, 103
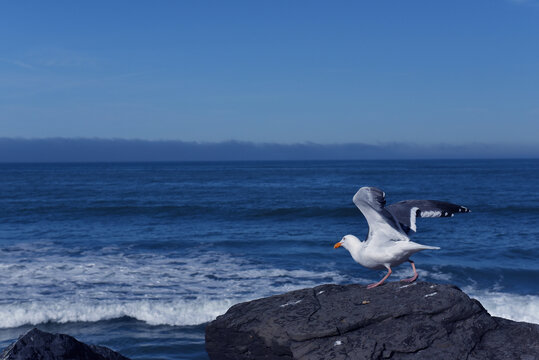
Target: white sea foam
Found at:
152, 312
44, 284
407, 272
498, 303
510, 306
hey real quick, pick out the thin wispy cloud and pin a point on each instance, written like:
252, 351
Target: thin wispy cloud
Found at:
17, 63
533, 3
54, 57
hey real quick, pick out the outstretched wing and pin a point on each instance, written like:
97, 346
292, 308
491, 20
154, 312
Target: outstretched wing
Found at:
371, 201
407, 211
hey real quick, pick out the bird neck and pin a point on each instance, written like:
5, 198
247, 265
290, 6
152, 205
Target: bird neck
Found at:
354, 245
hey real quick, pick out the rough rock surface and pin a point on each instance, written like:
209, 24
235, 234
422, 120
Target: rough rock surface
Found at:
40, 345
394, 321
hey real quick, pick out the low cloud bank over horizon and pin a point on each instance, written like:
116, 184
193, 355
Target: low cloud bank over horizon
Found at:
123, 150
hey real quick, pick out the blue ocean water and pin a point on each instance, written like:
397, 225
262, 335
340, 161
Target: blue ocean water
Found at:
139, 256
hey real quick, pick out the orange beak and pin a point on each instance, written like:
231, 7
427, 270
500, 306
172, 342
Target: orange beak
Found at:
337, 245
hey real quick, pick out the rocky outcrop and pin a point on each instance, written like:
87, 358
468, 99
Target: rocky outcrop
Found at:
394, 321
40, 345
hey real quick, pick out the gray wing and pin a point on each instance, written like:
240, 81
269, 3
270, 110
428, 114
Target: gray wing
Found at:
371, 201
407, 211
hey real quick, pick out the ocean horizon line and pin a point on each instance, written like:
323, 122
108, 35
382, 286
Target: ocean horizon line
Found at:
127, 162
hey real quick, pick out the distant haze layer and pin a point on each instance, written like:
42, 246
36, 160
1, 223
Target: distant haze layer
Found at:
117, 150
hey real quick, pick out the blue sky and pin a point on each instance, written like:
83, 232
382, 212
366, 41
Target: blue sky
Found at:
423, 72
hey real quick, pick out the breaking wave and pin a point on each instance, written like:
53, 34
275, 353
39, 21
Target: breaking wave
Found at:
506, 305
46, 285
178, 312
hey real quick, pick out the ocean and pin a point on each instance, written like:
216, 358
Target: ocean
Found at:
140, 256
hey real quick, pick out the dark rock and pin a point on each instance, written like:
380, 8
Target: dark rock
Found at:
40, 345
393, 321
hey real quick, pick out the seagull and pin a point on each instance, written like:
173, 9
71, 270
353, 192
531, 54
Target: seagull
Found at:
388, 243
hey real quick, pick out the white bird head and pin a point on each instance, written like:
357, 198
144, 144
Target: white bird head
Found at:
347, 242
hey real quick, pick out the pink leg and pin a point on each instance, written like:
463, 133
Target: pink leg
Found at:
381, 281
413, 278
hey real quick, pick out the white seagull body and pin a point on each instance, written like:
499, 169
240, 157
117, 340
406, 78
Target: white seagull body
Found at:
388, 243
